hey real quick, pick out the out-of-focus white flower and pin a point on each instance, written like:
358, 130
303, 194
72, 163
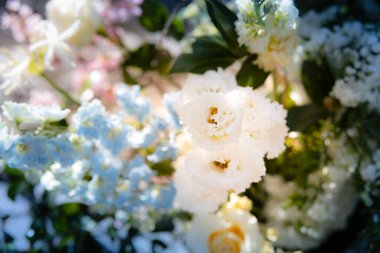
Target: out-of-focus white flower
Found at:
52, 43
65, 13
144, 243
370, 173
352, 51
15, 67
230, 230
327, 212
268, 29
19, 220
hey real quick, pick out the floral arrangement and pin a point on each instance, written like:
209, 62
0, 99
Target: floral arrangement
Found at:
245, 126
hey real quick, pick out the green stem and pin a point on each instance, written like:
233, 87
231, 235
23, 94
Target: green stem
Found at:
60, 90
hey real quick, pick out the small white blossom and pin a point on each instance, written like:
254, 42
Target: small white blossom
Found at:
53, 43
268, 30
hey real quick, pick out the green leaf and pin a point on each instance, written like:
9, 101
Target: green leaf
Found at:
224, 20
164, 168
250, 75
70, 208
300, 118
209, 52
148, 57
154, 17
15, 188
317, 79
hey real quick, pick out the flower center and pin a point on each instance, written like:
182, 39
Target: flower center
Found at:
22, 148
227, 240
221, 166
211, 119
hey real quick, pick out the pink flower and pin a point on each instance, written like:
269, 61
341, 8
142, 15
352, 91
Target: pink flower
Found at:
20, 20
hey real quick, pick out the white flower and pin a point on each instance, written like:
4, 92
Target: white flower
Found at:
264, 124
193, 197
370, 172
14, 68
208, 177
64, 13
31, 115
211, 82
268, 29
352, 52
231, 230
232, 129
53, 43
213, 120
18, 220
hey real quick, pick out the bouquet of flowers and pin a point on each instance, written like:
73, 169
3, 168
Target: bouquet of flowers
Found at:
242, 126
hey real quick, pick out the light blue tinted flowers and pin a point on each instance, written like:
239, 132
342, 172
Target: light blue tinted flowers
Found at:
169, 100
62, 150
5, 139
90, 120
28, 152
165, 151
132, 101
138, 172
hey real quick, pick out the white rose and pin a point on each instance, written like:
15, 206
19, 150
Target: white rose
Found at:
64, 13
231, 230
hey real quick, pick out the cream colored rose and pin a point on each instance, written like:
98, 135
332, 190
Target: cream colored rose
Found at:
64, 13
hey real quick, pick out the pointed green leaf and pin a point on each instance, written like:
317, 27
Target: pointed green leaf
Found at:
300, 118
250, 75
317, 79
209, 52
224, 20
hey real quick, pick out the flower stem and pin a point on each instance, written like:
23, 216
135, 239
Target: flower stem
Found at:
60, 90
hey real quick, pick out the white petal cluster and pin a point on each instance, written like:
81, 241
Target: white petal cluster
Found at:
232, 129
352, 51
370, 173
268, 30
230, 230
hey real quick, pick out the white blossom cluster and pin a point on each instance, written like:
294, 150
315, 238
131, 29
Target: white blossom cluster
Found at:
370, 173
352, 51
232, 129
268, 29
333, 198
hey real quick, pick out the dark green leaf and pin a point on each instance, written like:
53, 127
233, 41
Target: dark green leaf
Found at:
209, 52
164, 168
317, 79
250, 75
154, 17
13, 190
224, 20
300, 118
148, 57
